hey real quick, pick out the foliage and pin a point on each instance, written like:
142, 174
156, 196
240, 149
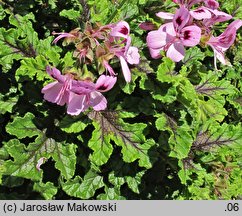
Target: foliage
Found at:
173, 132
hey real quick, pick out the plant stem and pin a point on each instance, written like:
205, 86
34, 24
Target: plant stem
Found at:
115, 12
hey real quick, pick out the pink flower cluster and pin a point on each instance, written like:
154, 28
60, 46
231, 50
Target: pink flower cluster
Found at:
100, 45
76, 94
190, 27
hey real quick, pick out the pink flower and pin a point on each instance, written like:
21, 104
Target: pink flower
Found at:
81, 99
172, 37
128, 54
62, 35
58, 91
121, 29
71, 36
221, 43
77, 95
131, 56
216, 16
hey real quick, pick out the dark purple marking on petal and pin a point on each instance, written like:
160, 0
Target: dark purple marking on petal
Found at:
124, 30
179, 20
187, 34
53, 76
212, 4
102, 87
227, 39
200, 11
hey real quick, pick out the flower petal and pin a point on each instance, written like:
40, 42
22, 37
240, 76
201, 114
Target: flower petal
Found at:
211, 4
219, 54
82, 87
181, 18
77, 104
226, 39
147, 26
169, 29
176, 52
54, 93
133, 55
121, 29
201, 13
235, 24
164, 15
55, 74
98, 101
156, 39
155, 53
62, 35
108, 67
217, 16
40, 162
105, 83
125, 69
190, 36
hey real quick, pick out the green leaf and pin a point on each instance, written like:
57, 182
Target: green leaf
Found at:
10, 50
166, 71
100, 144
23, 127
2, 13
211, 109
86, 188
128, 136
52, 3
161, 122
71, 14
134, 182
163, 92
6, 105
71, 124
100, 12
33, 68
12, 181
128, 88
129, 10
47, 190
120, 178
193, 55
111, 194
24, 163
180, 139
22, 42
214, 135
65, 159
68, 60
26, 159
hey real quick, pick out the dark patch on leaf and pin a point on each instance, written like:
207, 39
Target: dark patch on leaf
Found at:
108, 121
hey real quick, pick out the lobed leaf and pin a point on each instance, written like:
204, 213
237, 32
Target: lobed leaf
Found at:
47, 190
128, 136
22, 127
85, 188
